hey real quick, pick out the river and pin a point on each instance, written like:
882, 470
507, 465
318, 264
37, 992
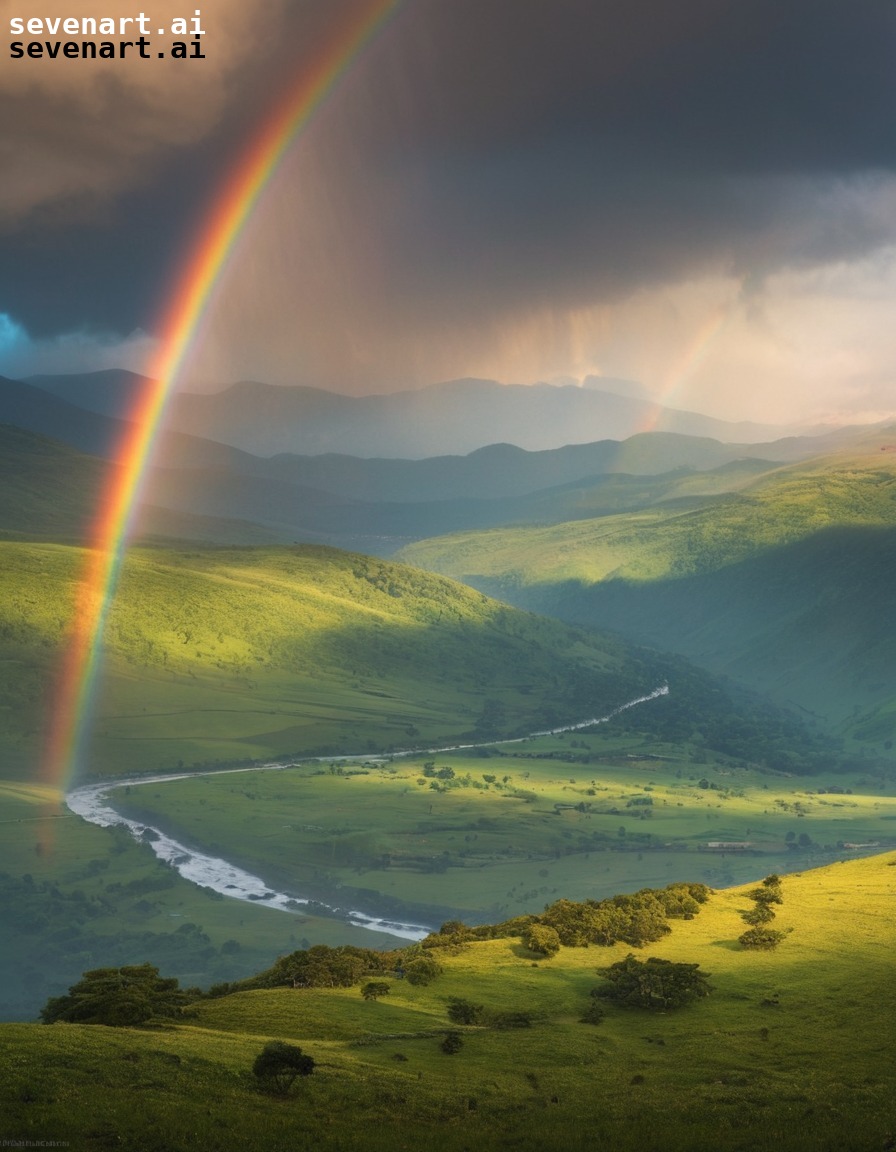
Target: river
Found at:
92, 803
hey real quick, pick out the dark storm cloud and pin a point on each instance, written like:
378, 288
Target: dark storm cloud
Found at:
564, 149
746, 86
513, 152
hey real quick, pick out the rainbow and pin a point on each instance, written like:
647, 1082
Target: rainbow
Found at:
72, 706
696, 352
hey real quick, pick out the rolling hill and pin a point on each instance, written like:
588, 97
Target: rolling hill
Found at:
232, 655
783, 584
791, 1050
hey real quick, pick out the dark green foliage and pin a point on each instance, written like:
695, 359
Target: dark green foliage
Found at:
278, 1065
119, 997
637, 920
462, 1011
509, 1019
373, 989
422, 970
761, 938
325, 967
766, 895
543, 939
654, 983
760, 913
594, 1013
452, 1043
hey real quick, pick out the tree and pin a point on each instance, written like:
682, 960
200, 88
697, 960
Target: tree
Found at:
542, 939
373, 989
118, 997
452, 1043
422, 970
654, 983
462, 1011
278, 1065
759, 914
761, 938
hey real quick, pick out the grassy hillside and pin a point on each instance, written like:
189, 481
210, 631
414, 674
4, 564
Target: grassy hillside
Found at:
223, 655
73, 895
784, 585
46, 489
793, 1049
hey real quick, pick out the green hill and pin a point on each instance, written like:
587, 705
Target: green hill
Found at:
222, 656
784, 585
47, 490
228, 655
792, 1050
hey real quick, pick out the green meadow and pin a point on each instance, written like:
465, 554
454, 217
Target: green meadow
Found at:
218, 656
505, 834
792, 1049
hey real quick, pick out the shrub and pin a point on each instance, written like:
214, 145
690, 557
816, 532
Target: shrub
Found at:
278, 1065
373, 989
761, 938
543, 939
452, 1043
462, 1011
654, 983
510, 1019
759, 914
422, 970
765, 895
593, 1014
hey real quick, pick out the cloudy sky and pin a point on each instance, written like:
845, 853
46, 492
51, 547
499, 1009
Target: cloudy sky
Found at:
698, 195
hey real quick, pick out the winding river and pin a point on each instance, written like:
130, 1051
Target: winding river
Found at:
93, 803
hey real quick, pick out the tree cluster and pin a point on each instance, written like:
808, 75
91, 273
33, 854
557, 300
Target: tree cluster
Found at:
323, 967
636, 919
653, 983
119, 997
759, 935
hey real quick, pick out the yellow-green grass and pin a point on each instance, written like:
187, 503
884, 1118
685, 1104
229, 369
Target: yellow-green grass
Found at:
226, 655
792, 1050
785, 505
381, 833
784, 587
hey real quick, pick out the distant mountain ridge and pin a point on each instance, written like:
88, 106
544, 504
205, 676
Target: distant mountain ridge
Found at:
455, 417
202, 489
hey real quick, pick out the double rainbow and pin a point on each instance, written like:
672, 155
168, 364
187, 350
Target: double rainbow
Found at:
72, 706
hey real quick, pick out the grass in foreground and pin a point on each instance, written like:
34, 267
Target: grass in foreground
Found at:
792, 1050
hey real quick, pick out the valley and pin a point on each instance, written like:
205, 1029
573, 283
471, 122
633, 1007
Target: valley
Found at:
347, 738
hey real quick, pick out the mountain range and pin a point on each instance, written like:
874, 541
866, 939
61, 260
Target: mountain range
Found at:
455, 417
